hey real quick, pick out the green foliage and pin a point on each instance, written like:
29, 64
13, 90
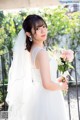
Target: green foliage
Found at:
1, 90
1, 17
65, 66
10, 27
1, 93
75, 30
60, 23
1, 97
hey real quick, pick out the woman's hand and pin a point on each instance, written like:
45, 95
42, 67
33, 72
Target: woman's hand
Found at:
63, 83
64, 86
62, 79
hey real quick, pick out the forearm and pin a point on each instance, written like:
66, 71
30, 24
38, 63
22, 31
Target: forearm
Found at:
52, 86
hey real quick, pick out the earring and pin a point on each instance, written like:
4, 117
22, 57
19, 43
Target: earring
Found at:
30, 38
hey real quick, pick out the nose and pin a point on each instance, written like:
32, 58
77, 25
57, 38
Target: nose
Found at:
42, 30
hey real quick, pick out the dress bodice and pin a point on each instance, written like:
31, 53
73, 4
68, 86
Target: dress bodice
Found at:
36, 72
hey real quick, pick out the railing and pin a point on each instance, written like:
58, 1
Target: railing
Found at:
73, 116
5, 62
73, 92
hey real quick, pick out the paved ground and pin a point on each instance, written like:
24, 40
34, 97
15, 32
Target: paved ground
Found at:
74, 103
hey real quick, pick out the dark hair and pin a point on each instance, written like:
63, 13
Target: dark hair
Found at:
30, 22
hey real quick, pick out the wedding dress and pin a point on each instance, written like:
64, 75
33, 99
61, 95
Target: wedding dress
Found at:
43, 104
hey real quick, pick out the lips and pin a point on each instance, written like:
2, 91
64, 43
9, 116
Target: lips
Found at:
43, 35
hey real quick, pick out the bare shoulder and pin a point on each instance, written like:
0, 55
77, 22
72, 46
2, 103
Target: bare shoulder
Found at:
42, 54
42, 58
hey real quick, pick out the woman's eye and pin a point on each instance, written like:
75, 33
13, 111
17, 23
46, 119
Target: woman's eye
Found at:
37, 28
44, 26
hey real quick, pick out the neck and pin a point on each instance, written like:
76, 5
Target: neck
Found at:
38, 44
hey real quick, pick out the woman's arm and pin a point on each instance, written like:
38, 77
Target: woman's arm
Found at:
43, 63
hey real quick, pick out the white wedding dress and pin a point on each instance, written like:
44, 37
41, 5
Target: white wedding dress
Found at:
43, 104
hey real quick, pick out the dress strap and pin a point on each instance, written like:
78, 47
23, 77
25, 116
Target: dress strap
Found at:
34, 53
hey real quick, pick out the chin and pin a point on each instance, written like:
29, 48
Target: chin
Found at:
44, 39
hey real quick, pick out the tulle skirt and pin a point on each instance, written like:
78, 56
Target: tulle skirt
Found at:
42, 104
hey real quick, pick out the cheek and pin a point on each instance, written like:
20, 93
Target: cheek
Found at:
46, 31
37, 35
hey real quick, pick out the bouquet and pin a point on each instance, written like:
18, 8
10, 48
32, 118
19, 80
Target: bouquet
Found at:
65, 62
64, 58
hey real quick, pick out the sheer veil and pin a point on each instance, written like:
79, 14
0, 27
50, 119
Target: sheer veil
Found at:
19, 77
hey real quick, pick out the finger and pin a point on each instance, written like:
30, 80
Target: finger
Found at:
67, 87
67, 80
60, 79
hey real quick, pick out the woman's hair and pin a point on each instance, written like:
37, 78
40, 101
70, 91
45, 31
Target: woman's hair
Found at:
32, 21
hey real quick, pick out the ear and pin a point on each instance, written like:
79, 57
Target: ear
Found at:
28, 34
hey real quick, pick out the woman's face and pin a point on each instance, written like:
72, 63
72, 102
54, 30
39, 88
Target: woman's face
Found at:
40, 34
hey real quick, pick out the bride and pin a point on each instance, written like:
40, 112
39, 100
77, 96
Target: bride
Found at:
34, 92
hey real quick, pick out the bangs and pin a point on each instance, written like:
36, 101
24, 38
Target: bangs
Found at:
38, 23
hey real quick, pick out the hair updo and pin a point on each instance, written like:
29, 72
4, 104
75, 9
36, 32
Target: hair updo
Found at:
30, 22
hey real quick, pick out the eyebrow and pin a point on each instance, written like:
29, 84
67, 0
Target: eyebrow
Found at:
41, 25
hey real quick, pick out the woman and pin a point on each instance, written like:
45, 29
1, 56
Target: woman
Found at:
38, 97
